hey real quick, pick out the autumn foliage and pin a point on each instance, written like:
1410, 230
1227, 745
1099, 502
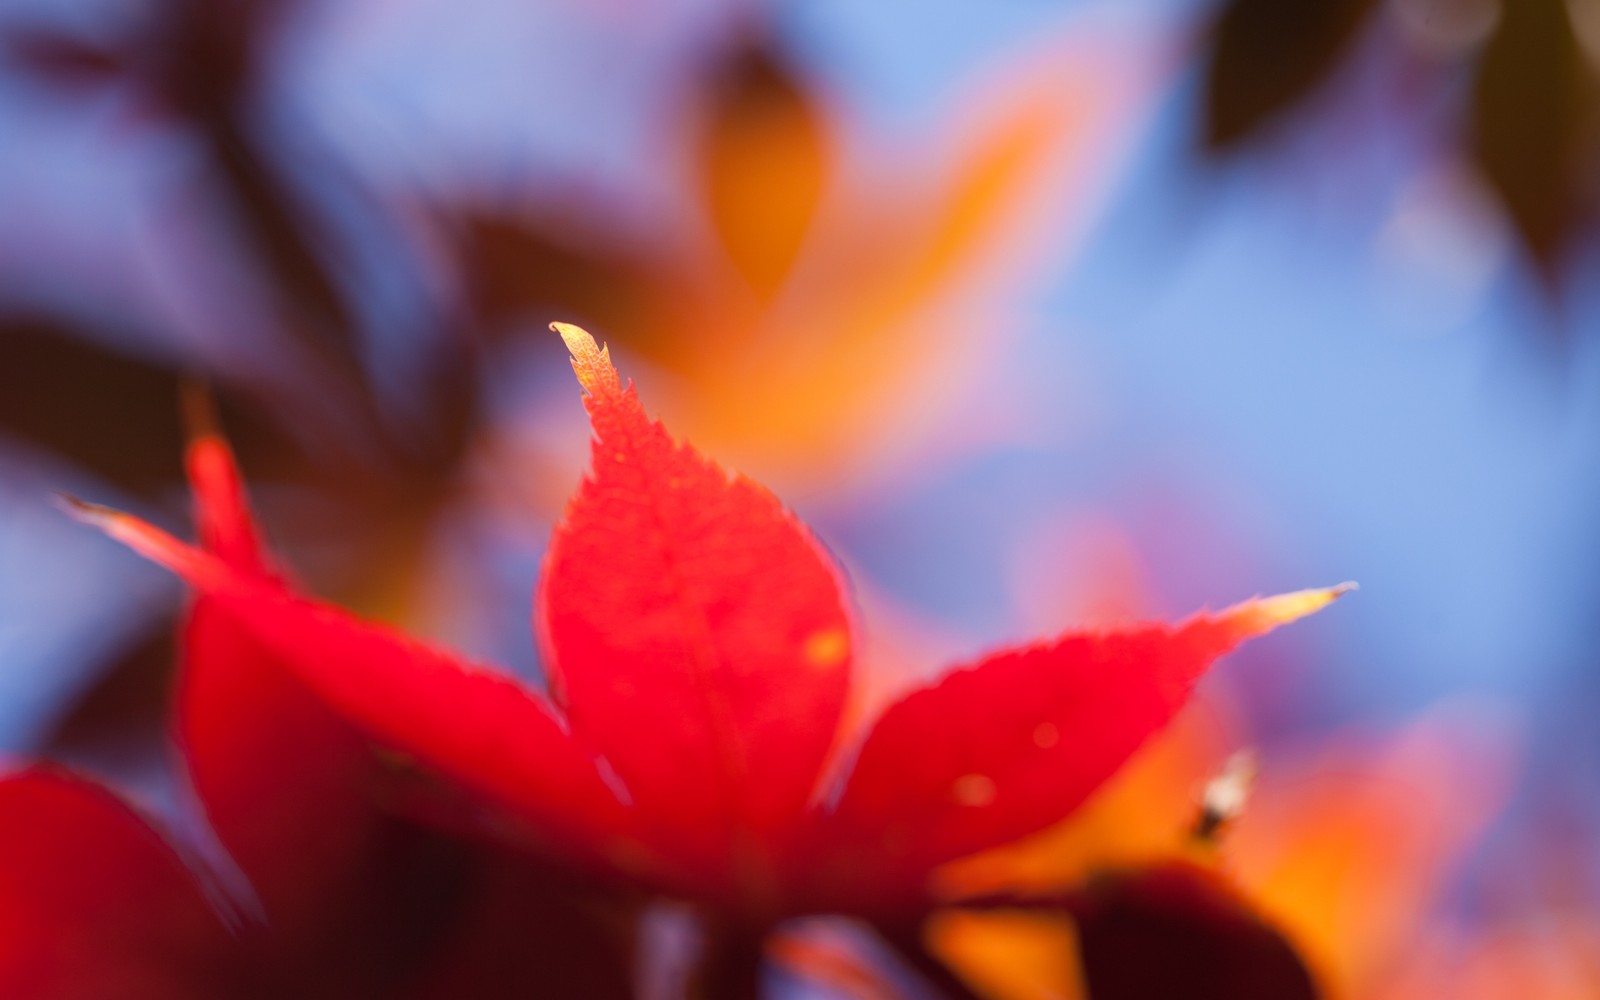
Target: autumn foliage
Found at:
399, 815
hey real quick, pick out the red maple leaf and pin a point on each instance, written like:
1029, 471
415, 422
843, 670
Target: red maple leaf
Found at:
362, 880
700, 659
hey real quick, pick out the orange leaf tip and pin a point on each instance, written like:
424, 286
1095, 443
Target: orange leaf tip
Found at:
590, 361
1266, 613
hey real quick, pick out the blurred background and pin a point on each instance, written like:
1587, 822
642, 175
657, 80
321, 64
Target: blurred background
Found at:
1043, 312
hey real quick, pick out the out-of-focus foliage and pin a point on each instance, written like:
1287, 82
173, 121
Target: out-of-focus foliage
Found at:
812, 307
1345, 847
877, 309
814, 310
1515, 85
1267, 57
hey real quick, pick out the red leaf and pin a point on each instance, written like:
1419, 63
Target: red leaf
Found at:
94, 904
458, 717
289, 787
697, 641
1014, 743
696, 636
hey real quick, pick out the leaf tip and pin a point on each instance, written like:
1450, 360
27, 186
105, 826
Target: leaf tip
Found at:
82, 510
1266, 613
591, 362
138, 535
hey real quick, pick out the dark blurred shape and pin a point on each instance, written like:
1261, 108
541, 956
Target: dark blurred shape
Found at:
372, 480
114, 414
117, 416
527, 269
202, 66
1534, 126
60, 61
1267, 56
206, 64
1530, 119
764, 161
1178, 930
729, 965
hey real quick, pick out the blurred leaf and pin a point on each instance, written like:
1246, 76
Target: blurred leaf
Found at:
1533, 124
205, 56
765, 159
1268, 55
1349, 848
532, 269
992, 184
112, 413
1179, 931
199, 62
116, 415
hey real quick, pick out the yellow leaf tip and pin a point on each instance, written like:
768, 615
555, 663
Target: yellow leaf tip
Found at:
591, 362
1266, 613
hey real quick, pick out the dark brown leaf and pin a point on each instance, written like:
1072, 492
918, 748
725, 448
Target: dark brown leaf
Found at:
1533, 124
520, 269
1268, 55
1178, 931
114, 414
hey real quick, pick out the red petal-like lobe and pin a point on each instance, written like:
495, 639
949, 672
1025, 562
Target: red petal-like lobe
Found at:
289, 787
461, 719
94, 905
1014, 743
357, 901
222, 512
696, 636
